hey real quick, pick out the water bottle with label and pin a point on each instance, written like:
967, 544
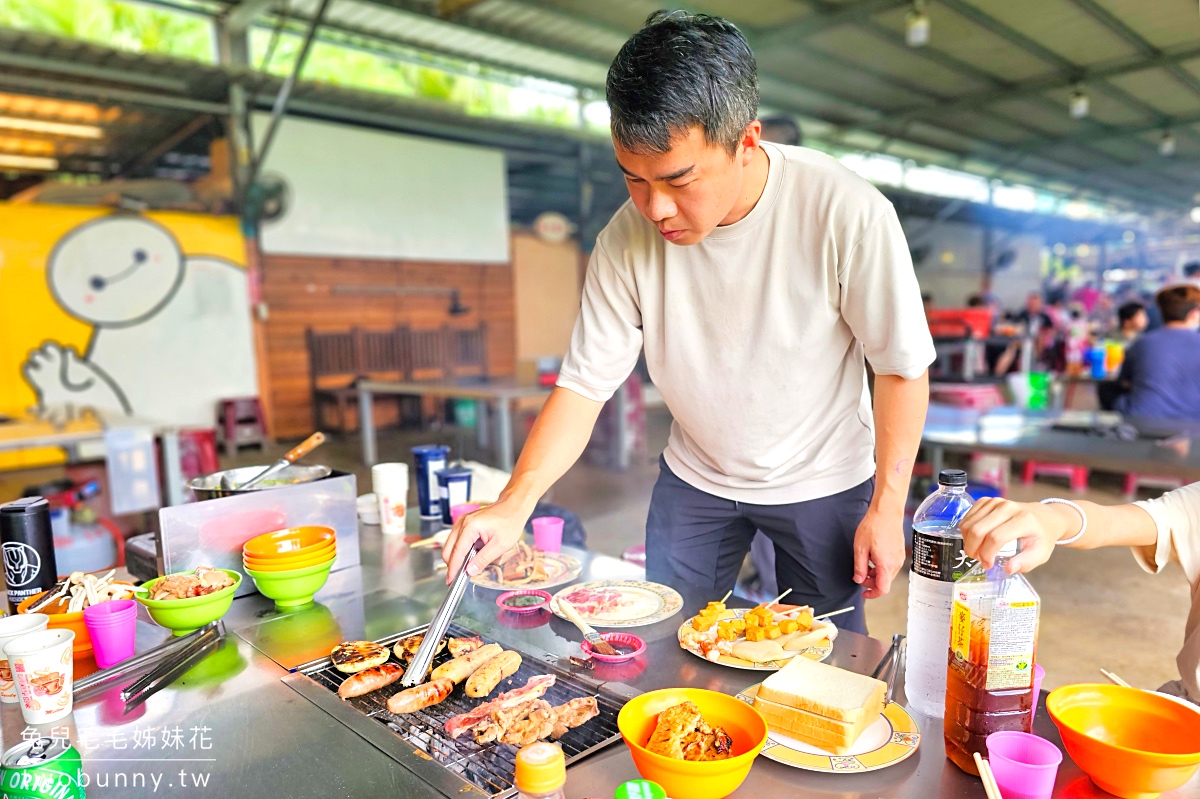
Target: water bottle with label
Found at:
937, 561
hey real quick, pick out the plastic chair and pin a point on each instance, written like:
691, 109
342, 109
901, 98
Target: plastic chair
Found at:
241, 423
1076, 475
1135, 481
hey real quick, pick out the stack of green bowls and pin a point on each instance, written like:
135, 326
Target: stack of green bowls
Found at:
290, 565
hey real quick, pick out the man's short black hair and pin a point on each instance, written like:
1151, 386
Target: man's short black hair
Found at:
1129, 310
678, 71
1177, 302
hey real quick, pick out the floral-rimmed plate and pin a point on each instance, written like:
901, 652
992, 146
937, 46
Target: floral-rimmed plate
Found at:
818, 653
620, 603
893, 737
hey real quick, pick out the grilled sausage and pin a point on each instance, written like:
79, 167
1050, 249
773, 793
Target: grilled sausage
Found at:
485, 678
460, 668
370, 680
413, 699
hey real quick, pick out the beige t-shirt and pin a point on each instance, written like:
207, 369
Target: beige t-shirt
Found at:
1177, 515
756, 335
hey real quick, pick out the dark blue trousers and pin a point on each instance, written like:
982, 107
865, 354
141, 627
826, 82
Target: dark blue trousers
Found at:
696, 542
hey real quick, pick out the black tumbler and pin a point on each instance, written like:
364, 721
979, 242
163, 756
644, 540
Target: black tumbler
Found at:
28, 547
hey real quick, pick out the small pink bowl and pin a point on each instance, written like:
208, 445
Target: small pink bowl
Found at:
531, 608
617, 640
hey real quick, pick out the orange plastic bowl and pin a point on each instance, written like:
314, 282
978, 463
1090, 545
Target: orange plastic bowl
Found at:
296, 562
710, 780
289, 542
1132, 743
65, 621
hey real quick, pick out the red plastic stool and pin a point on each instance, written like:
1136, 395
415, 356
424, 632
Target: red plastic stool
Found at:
198, 452
1135, 481
1077, 475
241, 423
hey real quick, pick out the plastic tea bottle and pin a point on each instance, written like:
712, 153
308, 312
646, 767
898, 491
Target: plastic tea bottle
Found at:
993, 646
541, 771
937, 561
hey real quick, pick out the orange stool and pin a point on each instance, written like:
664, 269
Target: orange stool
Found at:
241, 423
1077, 475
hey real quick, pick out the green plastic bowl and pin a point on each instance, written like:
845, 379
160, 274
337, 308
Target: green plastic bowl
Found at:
291, 589
182, 616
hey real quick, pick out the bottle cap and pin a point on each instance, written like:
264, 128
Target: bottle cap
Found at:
952, 477
541, 768
640, 789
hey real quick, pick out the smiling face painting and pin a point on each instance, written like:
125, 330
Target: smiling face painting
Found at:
116, 272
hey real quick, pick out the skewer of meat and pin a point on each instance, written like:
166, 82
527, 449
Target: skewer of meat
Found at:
533, 688
370, 680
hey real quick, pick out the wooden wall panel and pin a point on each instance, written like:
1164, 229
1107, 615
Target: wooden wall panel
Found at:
299, 294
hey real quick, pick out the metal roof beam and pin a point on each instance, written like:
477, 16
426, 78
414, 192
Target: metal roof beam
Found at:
238, 17
823, 18
32, 62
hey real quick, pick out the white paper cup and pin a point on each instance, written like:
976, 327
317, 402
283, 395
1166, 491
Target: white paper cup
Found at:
390, 481
43, 667
368, 509
11, 628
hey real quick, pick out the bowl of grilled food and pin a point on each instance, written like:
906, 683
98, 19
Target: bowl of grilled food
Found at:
186, 601
693, 742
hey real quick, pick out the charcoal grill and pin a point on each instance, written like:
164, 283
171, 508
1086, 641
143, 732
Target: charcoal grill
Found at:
458, 767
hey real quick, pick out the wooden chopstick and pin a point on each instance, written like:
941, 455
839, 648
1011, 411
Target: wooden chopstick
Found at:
776, 599
727, 593
989, 780
1115, 679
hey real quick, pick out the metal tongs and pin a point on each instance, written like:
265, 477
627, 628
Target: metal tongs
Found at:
136, 664
889, 667
174, 665
418, 667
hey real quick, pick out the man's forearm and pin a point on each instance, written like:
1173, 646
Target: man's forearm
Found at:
900, 407
558, 438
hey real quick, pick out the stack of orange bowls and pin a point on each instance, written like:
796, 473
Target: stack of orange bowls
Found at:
292, 564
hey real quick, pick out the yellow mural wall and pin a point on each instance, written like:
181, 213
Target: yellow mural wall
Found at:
29, 314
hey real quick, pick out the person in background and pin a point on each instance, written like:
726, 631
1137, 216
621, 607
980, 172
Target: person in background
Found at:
1158, 531
1131, 322
1191, 273
1034, 309
782, 129
1161, 372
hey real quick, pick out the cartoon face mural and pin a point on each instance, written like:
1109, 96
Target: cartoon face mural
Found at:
116, 271
143, 315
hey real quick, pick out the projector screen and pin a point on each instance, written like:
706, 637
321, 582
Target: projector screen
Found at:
362, 193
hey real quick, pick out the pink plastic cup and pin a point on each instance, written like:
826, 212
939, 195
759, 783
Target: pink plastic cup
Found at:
547, 533
1038, 674
1025, 765
462, 509
113, 628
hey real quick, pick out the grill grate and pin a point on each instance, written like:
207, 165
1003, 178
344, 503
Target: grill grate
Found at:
488, 767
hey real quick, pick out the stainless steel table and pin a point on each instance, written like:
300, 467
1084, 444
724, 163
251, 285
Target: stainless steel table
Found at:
233, 723
500, 392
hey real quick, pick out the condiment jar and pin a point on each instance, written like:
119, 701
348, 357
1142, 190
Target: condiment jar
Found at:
541, 771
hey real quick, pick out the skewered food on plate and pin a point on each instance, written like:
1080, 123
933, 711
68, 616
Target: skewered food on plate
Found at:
364, 682
485, 678
352, 657
462, 667
682, 733
761, 635
519, 566
421, 696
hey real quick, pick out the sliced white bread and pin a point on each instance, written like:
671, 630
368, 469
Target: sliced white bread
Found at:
831, 735
824, 690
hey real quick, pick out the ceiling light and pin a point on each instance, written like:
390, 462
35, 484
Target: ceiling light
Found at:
28, 162
916, 25
1195, 214
1166, 145
58, 128
1079, 105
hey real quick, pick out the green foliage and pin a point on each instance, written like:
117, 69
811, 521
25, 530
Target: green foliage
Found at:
115, 23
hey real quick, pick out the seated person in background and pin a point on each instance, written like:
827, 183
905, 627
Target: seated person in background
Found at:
1191, 273
1161, 372
1034, 309
1131, 322
1159, 531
